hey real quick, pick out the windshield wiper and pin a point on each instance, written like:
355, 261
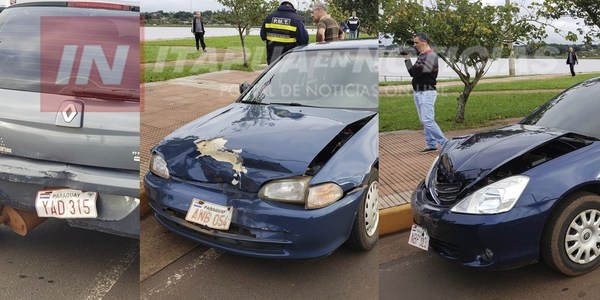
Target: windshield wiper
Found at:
290, 104
105, 93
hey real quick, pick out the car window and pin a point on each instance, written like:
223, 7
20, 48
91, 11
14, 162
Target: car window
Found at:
20, 47
575, 110
333, 79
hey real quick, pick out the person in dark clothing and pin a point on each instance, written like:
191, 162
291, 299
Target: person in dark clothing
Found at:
198, 31
353, 24
283, 30
572, 60
424, 73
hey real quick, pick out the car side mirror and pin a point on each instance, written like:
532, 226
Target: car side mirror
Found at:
244, 86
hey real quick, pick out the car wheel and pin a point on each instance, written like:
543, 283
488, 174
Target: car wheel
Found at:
365, 231
571, 243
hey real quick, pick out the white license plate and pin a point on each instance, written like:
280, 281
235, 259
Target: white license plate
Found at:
209, 214
66, 204
419, 237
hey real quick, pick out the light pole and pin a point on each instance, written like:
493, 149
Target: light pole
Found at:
511, 55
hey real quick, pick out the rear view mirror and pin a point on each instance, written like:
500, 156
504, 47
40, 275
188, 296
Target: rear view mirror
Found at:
244, 86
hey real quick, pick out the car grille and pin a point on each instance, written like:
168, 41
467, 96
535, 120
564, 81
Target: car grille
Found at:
446, 193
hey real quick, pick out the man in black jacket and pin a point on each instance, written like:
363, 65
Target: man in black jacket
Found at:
353, 24
283, 30
572, 60
198, 30
424, 73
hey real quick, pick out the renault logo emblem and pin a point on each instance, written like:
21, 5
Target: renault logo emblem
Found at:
70, 114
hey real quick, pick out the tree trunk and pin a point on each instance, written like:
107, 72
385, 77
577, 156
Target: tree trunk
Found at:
462, 103
242, 38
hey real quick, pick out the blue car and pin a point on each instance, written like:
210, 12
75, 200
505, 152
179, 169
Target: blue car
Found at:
289, 170
519, 194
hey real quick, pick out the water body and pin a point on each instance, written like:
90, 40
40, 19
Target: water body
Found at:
392, 68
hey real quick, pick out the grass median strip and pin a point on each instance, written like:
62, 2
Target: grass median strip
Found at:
398, 112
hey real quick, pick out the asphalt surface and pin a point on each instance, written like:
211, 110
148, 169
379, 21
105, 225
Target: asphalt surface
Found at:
173, 267
406, 272
57, 261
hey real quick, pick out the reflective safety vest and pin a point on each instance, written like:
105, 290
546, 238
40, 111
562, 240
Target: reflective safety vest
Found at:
280, 30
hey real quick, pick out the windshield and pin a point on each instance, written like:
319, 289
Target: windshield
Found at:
575, 110
332, 79
29, 47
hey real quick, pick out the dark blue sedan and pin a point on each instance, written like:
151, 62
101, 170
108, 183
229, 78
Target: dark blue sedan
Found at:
518, 194
289, 170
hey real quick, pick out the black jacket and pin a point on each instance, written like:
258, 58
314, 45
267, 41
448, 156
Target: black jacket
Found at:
283, 30
424, 72
353, 23
194, 25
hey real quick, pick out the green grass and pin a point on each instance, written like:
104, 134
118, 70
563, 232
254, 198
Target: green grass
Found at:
185, 49
557, 83
398, 112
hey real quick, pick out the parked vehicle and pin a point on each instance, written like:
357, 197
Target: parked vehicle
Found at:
289, 170
515, 195
69, 124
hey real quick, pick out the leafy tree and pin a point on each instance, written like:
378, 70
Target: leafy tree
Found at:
587, 10
243, 14
467, 35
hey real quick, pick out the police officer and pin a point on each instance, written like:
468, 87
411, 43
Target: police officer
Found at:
283, 30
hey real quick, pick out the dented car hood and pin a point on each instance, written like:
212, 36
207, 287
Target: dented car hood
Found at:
246, 145
476, 156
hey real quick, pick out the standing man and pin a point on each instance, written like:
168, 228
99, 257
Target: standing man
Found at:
283, 30
198, 30
572, 60
424, 73
353, 24
327, 28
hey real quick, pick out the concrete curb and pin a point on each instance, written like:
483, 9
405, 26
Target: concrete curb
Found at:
394, 219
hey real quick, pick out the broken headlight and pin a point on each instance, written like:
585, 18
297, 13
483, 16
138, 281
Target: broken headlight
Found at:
296, 190
158, 166
495, 198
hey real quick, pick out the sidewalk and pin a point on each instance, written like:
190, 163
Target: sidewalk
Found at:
170, 104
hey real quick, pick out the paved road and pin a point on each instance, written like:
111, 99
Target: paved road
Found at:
57, 261
175, 268
406, 272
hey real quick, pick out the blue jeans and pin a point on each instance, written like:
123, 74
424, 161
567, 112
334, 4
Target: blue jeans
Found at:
353, 34
425, 104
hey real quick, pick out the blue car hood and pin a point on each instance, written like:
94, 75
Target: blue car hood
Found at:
246, 145
474, 157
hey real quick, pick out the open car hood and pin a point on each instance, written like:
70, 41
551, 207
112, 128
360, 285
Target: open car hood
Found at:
246, 145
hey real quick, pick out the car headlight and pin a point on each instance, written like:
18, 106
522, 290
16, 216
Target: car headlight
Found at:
495, 198
428, 176
158, 166
291, 190
296, 190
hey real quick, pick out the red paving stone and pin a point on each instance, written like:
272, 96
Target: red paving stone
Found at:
174, 103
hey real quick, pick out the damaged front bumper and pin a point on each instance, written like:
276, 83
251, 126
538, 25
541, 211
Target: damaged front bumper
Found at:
118, 191
259, 228
503, 241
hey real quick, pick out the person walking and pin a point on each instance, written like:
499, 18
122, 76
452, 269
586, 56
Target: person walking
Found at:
572, 60
198, 31
283, 30
353, 24
327, 28
424, 79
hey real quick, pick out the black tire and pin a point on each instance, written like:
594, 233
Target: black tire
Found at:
359, 237
554, 244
